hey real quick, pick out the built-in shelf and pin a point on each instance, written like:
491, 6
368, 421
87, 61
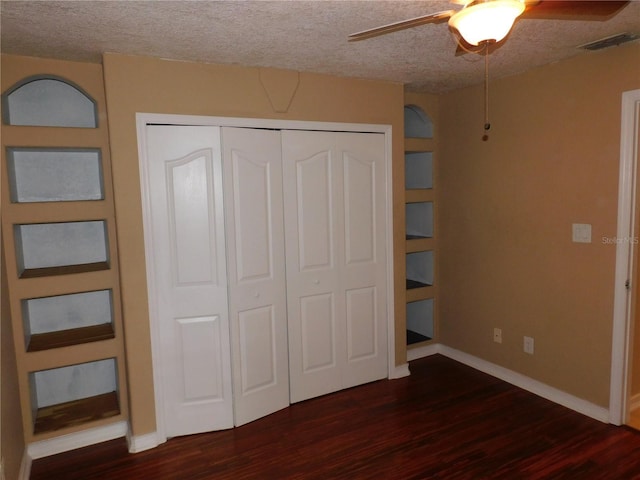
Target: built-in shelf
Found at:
418, 170
70, 319
61, 248
76, 412
64, 270
415, 337
66, 338
419, 268
66, 396
411, 284
419, 220
63, 288
418, 195
54, 175
419, 244
419, 208
419, 321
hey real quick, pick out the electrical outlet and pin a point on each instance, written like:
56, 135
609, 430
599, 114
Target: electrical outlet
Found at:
497, 335
528, 345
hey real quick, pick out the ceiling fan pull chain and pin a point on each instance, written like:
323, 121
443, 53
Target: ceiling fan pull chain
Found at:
487, 124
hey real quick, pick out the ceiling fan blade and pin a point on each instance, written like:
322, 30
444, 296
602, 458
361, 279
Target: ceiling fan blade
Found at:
574, 9
402, 25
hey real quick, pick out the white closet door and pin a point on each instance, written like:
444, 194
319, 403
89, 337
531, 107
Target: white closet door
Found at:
252, 163
185, 176
336, 265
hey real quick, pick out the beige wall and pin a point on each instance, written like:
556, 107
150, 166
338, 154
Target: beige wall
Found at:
505, 212
12, 443
139, 84
505, 207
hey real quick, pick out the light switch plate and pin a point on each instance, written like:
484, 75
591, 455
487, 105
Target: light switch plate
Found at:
581, 232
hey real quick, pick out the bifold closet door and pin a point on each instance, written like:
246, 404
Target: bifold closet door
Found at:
334, 197
190, 277
252, 164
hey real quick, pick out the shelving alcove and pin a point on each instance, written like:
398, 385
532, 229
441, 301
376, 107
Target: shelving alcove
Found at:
59, 240
420, 244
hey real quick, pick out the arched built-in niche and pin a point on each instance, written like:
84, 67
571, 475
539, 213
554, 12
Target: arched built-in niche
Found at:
417, 123
62, 271
48, 101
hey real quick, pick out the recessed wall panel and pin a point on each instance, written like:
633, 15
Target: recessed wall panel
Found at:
42, 245
419, 220
54, 175
65, 312
65, 384
418, 170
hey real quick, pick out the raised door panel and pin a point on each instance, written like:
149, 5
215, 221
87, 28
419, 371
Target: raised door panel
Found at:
314, 213
191, 231
189, 280
257, 291
359, 209
201, 364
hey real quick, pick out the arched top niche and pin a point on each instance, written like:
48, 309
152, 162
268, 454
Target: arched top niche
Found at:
48, 101
417, 123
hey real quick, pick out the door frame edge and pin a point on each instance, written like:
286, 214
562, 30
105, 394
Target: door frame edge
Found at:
620, 348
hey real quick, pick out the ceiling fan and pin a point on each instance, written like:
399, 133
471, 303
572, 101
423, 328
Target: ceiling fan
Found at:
483, 23
489, 21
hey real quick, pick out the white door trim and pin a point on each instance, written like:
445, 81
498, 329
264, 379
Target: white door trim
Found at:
142, 119
620, 349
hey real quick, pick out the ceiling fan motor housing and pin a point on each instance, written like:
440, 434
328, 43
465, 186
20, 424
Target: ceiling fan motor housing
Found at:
482, 21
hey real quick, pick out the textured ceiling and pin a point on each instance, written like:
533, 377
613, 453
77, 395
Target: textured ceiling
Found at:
300, 35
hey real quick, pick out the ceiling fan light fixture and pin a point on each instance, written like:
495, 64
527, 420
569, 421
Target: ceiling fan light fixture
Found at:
487, 21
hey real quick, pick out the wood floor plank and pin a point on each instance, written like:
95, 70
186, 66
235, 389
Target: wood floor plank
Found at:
445, 421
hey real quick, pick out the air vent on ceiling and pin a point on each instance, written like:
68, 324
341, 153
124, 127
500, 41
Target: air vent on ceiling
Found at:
610, 41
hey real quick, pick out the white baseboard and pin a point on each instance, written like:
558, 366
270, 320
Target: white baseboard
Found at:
527, 383
421, 352
25, 467
140, 443
399, 371
519, 380
71, 441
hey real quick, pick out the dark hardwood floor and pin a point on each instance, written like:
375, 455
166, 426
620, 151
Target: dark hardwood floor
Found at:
445, 421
